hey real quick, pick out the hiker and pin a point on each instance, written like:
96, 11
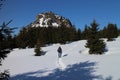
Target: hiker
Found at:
59, 52
60, 62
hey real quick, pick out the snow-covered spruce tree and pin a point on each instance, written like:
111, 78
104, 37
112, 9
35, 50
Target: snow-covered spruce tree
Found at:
37, 50
94, 43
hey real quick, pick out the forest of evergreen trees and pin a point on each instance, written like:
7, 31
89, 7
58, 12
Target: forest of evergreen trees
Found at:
28, 36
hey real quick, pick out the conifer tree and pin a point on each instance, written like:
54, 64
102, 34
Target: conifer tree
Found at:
79, 34
5, 48
118, 32
31, 37
103, 33
95, 45
72, 33
63, 34
112, 31
5, 32
85, 32
22, 38
37, 50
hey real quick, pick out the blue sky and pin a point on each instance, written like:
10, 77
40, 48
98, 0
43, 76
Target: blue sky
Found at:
80, 12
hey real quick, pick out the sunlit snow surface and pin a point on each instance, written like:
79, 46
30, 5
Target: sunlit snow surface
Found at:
75, 64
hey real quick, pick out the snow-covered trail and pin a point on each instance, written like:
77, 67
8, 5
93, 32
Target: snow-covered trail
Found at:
61, 64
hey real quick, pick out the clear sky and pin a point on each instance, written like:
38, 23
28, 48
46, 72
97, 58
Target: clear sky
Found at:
80, 12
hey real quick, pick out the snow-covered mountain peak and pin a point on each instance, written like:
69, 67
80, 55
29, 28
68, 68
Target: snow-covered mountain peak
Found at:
49, 19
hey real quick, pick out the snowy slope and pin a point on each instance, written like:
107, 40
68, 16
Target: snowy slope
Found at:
76, 63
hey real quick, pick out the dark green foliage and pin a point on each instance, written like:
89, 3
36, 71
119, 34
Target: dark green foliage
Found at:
85, 33
22, 39
5, 40
6, 44
79, 35
73, 34
48, 35
111, 32
118, 32
5, 31
103, 33
31, 37
37, 50
94, 43
63, 34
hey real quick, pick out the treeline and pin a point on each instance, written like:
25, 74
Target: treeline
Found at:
110, 32
29, 35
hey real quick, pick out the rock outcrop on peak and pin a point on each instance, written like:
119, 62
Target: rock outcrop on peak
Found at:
49, 19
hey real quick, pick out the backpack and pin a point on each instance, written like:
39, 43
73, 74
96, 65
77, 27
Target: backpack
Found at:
59, 50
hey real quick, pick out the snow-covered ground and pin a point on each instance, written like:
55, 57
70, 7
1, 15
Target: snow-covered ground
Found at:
75, 64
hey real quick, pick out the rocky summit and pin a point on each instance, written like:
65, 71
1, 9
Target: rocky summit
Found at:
49, 19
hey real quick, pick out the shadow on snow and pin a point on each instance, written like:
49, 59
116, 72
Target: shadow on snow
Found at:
81, 71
